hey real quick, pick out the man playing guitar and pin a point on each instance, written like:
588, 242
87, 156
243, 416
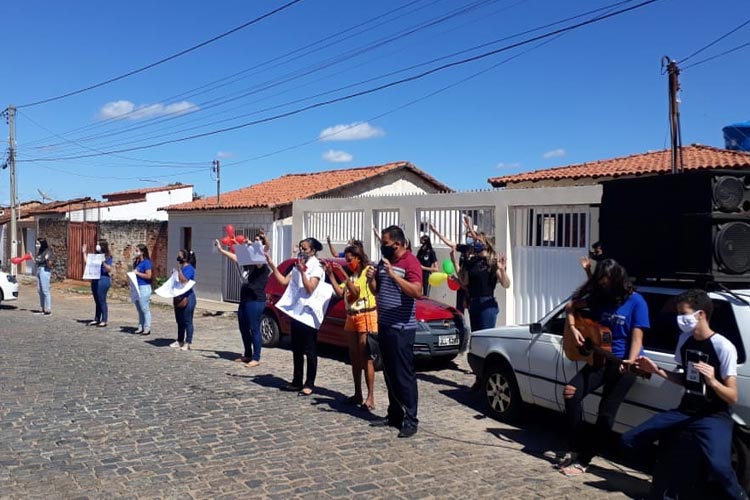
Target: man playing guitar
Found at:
608, 297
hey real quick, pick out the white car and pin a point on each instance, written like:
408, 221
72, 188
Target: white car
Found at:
8, 287
525, 364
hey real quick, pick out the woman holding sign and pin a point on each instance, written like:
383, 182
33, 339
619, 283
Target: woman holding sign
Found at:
184, 305
100, 287
142, 268
252, 301
307, 274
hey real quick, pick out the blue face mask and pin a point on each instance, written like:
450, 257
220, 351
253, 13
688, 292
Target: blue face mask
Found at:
478, 247
469, 240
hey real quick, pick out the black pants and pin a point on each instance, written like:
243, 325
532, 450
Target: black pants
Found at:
397, 351
304, 344
586, 442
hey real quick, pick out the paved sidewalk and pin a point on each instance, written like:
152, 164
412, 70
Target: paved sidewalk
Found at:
102, 413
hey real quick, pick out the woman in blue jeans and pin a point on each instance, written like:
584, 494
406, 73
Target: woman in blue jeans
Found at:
100, 287
184, 305
480, 274
43, 261
142, 268
252, 303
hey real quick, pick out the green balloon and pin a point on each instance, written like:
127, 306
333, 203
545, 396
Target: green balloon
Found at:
448, 267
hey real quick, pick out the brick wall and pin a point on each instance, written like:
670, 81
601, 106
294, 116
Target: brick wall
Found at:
122, 236
56, 233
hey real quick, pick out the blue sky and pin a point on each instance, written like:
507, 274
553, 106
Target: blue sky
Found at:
594, 93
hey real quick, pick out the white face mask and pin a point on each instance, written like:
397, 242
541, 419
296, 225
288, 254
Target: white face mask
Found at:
98, 248
38, 245
687, 322
137, 253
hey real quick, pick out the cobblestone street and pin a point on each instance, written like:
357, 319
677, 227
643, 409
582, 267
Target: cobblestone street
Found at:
101, 413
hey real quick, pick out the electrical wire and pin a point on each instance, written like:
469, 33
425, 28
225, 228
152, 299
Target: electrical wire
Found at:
286, 78
163, 60
722, 54
377, 88
714, 42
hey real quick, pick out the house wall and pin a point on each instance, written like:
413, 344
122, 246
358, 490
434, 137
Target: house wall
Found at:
56, 233
398, 182
141, 210
207, 226
409, 206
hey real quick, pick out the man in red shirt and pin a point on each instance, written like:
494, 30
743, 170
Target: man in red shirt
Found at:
397, 283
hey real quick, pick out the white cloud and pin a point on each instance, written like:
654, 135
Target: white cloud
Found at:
224, 154
123, 109
336, 156
555, 153
356, 131
508, 166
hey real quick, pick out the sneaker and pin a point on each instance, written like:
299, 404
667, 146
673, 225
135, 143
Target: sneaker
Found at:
175, 344
185, 347
93, 323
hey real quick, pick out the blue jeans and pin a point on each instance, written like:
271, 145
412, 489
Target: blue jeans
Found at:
483, 313
714, 436
248, 315
42, 285
144, 307
99, 289
184, 318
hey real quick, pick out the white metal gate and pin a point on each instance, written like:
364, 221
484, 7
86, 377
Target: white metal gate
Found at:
382, 219
339, 225
546, 245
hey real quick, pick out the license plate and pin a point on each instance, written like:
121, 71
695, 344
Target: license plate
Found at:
444, 340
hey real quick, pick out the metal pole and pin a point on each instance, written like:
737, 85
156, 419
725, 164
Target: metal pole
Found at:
217, 168
12, 165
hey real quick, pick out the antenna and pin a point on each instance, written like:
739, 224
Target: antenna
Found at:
44, 195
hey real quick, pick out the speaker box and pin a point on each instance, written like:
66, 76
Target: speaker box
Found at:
685, 226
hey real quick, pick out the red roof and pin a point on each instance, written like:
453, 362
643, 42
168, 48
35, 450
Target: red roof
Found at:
61, 206
135, 193
695, 157
286, 189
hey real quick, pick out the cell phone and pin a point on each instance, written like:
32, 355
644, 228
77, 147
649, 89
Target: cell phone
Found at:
694, 383
462, 248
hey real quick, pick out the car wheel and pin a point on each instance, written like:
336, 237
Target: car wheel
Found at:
741, 455
501, 393
269, 331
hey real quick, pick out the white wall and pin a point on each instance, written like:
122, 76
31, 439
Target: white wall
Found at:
144, 210
208, 225
409, 205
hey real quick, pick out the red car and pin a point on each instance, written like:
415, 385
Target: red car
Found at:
440, 328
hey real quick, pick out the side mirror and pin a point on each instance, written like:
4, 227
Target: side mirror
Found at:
535, 328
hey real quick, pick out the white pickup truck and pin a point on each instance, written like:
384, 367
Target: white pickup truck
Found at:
525, 364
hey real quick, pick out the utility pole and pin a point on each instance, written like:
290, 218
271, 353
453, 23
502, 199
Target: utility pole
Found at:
673, 73
12, 165
217, 170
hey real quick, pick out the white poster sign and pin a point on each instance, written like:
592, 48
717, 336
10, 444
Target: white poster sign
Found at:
250, 255
173, 288
307, 309
135, 294
93, 270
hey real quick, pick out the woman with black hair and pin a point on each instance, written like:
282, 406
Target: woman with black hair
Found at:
609, 298
43, 261
361, 319
100, 287
252, 302
428, 261
184, 305
142, 268
305, 277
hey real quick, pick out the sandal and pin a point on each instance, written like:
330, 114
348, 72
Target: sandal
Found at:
291, 388
368, 406
253, 364
242, 359
139, 331
101, 325
566, 460
146, 333
574, 469
305, 392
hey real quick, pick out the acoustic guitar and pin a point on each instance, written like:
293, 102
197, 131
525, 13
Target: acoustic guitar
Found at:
597, 346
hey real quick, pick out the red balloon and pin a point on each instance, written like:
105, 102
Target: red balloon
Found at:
16, 260
230, 230
239, 239
453, 283
226, 241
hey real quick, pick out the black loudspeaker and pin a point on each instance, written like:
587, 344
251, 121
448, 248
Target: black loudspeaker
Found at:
694, 225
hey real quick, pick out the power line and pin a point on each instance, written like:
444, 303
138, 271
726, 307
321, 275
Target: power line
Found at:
165, 59
294, 75
722, 54
377, 88
714, 42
